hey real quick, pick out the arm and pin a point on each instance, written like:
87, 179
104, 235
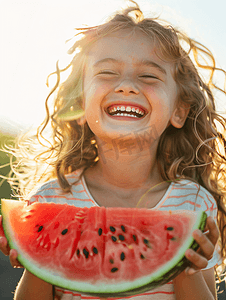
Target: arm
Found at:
200, 286
31, 287
195, 283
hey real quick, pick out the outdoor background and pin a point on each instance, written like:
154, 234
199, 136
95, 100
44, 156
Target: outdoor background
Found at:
33, 35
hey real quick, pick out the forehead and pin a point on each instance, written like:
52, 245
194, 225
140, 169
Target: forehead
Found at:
129, 45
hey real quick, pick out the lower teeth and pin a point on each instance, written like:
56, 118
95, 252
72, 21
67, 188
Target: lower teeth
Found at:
126, 115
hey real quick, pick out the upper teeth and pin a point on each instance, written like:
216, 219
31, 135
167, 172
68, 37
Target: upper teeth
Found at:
127, 109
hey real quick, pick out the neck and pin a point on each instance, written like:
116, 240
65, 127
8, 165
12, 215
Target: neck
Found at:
134, 169
122, 180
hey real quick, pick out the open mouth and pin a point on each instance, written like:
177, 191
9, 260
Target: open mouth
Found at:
126, 111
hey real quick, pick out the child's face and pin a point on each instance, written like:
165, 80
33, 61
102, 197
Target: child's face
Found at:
124, 74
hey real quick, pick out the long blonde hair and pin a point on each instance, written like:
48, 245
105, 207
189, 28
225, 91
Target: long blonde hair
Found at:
196, 151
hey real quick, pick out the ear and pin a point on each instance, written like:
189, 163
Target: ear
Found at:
179, 115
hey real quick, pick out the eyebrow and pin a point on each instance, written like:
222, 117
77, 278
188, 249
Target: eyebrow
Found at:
146, 62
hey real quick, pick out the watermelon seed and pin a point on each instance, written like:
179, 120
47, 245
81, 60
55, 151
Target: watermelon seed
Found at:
78, 252
121, 237
86, 253
147, 243
100, 231
112, 229
64, 231
123, 228
113, 270
142, 256
122, 256
95, 250
111, 261
114, 239
40, 228
134, 238
169, 228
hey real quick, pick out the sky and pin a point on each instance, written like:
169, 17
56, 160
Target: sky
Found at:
33, 35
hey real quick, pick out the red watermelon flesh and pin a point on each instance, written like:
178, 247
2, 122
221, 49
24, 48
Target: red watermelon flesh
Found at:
97, 250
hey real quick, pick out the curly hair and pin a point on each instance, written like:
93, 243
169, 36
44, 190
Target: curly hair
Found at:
195, 151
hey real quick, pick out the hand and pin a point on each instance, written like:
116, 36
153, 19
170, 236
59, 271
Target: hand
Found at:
4, 247
207, 242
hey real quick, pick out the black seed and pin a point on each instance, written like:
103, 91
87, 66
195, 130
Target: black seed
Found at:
77, 252
123, 228
40, 228
147, 243
64, 231
134, 238
95, 250
100, 231
142, 257
111, 261
85, 252
113, 270
114, 239
121, 237
169, 228
173, 239
122, 256
112, 229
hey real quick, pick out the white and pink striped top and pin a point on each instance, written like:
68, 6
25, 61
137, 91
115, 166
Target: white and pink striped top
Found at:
185, 195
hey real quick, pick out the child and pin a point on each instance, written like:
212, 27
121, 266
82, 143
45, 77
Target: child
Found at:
149, 125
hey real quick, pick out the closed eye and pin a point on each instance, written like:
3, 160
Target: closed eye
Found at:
107, 72
149, 76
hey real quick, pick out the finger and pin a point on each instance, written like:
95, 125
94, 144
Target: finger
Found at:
13, 259
4, 247
213, 231
198, 261
191, 271
205, 244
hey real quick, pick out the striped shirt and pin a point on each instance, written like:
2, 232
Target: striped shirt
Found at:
185, 195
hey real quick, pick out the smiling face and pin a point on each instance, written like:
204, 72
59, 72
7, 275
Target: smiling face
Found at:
127, 88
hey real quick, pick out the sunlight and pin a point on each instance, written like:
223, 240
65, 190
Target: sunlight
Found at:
33, 43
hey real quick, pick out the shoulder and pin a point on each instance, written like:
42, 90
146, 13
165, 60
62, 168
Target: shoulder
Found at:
50, 190
191, 188
186, 194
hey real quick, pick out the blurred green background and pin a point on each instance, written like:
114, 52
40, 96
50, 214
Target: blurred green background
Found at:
9, 277
5, 190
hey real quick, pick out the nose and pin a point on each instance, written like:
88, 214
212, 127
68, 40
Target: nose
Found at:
127, 87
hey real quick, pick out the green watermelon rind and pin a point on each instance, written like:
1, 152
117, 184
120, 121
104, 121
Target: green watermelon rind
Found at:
163, 275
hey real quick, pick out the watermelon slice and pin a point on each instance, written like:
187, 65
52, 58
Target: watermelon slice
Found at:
109, 252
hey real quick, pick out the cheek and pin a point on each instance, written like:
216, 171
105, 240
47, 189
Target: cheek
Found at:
95, 94
161, 96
